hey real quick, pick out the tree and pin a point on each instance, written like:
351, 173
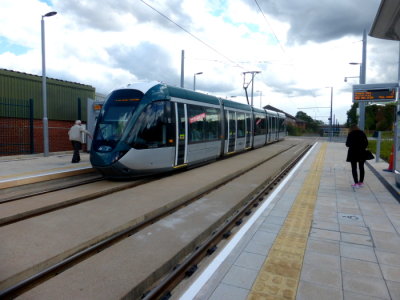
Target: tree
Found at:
352, 115
377, 117
311, 124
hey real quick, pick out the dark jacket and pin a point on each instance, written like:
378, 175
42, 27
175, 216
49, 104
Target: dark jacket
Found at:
357, 142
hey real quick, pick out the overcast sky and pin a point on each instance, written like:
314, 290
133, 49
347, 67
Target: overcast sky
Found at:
300, 47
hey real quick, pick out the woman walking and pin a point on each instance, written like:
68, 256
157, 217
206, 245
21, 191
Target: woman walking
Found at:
357, 142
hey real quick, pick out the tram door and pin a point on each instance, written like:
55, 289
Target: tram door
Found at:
181, 136
231, 131
248, 131
269, 131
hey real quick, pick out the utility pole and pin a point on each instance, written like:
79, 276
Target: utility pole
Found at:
330, 118
182, 68
246, 85
363, 68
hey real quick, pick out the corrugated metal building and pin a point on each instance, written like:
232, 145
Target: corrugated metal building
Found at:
62, 96
66, 102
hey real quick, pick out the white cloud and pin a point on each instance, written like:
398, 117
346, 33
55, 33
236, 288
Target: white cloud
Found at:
109, 43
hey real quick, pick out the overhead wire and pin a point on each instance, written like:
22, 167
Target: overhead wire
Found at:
236, 64
272, 29
277, 39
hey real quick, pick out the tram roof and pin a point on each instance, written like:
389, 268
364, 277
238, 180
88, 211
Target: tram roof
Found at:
236, 105
191, 95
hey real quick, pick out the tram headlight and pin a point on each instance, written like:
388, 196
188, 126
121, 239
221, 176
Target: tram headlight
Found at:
104, 148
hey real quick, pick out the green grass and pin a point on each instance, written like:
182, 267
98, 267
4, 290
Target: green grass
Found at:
386, 148
386, 144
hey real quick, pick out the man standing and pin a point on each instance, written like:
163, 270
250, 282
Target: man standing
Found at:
75, 136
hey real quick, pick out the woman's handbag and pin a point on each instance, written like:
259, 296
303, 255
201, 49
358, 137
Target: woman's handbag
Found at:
369, 155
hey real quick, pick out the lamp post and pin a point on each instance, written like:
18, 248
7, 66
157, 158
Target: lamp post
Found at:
330, 117
363, 71
194, 79
361, 105
345, 79
360, 64
260, 97
44, 90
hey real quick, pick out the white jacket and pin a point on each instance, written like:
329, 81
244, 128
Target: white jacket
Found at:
75, 133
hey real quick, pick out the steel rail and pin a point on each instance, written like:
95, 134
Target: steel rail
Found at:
49, 190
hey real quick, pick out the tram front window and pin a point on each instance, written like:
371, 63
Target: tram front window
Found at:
154, 127
116, 113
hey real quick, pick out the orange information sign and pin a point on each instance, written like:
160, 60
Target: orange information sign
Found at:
375, 95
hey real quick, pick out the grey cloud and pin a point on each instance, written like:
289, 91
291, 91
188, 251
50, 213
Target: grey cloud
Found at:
106, 15
146, 61
322, 20
383, 60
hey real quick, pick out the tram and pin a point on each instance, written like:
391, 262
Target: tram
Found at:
149, 128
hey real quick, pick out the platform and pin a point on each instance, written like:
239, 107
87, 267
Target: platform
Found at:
25, 169
315, 237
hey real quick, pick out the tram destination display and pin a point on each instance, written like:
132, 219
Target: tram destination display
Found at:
374, 92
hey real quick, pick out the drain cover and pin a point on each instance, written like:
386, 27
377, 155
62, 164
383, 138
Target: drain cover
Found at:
350, 217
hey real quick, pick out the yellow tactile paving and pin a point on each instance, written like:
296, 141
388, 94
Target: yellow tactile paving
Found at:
280, 274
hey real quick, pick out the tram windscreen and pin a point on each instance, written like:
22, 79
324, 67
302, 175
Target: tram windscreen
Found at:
117, 111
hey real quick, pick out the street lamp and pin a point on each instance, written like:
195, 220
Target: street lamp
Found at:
345, 79
361, 105
330, 118
194, 79
44, 91
260, 97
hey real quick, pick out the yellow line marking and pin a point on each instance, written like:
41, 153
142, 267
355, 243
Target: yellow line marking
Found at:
280, 274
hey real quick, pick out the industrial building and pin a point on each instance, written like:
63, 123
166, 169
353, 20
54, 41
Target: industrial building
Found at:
21, 112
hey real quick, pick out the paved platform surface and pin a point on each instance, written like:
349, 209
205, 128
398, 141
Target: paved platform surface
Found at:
23, 169
350, 250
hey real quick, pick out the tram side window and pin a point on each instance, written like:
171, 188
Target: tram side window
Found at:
260, 127
154, 127
241, 125
212, 124
204, 123
196, 116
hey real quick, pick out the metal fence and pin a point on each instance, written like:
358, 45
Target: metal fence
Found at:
16, 126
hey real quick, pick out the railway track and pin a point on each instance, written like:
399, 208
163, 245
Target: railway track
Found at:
41, 188
48, 196
27, 282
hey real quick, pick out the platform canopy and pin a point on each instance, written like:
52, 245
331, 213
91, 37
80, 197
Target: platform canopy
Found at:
387, 21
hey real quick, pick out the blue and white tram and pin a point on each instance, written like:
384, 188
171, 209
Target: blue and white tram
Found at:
148, 128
